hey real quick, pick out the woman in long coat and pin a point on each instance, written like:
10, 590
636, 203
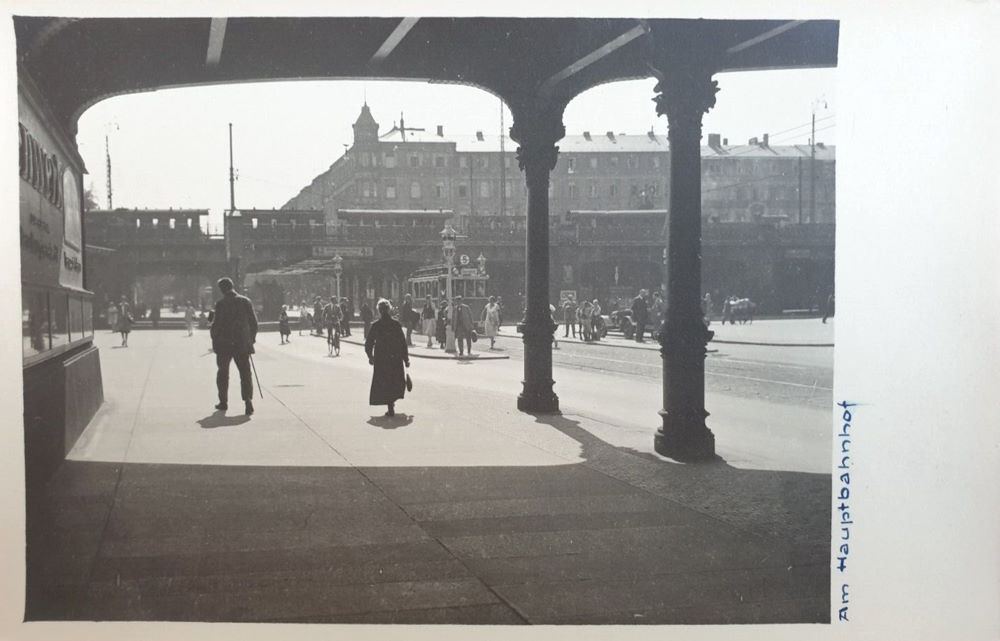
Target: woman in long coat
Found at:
441, 327
386, 350
124, 321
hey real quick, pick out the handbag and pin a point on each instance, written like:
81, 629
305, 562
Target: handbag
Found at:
409, 383
475, 336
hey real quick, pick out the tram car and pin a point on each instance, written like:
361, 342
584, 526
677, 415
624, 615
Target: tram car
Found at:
471, 283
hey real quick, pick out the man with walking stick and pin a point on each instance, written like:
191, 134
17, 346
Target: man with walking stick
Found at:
234, 332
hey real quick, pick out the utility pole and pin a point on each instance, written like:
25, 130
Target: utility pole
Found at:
503, 167
812, 170
107, 156
232, 178
800, 189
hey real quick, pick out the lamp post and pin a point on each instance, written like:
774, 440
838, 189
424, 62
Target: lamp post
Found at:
448, 236
338, 269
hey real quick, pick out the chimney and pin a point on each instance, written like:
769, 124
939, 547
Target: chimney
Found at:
821, 145
479, 136
713, 141
651, 135
586, 136
611, 136
753, 141
725, 142
440, 131
764, 144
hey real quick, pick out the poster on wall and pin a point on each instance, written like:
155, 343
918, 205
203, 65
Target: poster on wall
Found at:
71, 266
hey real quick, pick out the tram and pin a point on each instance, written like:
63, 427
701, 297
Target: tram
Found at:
470, 283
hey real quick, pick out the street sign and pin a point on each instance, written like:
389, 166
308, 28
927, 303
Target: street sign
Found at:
464, 259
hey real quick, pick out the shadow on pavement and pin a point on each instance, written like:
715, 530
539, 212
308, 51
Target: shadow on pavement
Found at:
391, 422
219, 419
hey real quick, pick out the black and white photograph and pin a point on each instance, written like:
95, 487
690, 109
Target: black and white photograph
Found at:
418, 316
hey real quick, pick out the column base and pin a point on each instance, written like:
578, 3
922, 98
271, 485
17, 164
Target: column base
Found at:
538, 402
685, 438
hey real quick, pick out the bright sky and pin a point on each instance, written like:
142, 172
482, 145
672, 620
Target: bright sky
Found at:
169, 148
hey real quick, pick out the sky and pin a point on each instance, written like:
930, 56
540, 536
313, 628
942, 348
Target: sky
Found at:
170, 148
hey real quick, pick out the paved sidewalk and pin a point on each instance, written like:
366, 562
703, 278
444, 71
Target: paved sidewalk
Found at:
457, 510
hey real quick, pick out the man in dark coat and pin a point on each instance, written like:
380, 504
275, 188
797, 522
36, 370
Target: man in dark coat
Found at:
640, 314
347, 312
234, 332
462, 318
386, 350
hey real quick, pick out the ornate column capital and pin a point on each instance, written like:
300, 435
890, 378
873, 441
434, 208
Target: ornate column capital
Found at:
685, 94
537, 127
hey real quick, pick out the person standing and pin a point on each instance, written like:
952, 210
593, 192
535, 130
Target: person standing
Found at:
305, 319
386, 350
113, 317
366, 317
441, 325
828, 308
569, 316
462, 318
706, 308
347, 312
234, 332
124, 321
406, 318
491, 320
318, 316
585, 313
656, 309
283, 329
427, 315
189, 318
154, 315
640, 314
555, 326
596, 321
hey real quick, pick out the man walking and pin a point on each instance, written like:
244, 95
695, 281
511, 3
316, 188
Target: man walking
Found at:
428, 316
640, 314
463, 325
234, 332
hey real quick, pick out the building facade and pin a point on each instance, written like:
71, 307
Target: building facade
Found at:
768, 210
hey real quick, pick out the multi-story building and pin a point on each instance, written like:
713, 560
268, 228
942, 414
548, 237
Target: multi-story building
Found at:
477, 175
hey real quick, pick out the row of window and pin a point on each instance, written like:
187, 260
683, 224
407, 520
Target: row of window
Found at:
632, 161
413, 160
53, 320
255, 223
171, 223
486, 189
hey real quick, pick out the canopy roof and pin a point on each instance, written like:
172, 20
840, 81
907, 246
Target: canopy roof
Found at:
78, 62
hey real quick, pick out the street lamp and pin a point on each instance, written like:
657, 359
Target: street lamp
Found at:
338, 269
448, 236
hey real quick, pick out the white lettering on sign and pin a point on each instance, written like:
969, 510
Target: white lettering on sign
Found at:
353, 252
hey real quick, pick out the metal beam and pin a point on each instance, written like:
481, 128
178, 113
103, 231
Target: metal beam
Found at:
394, 39
216, 36
592, 57
767, 35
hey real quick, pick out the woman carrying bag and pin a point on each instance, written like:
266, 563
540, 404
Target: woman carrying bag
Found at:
386, 350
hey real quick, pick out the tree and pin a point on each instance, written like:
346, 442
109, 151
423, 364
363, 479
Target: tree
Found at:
89, 201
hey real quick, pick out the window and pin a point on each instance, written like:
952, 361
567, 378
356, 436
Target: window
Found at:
614, 161
463, 162
59, 314
656, 162
172, 223
463, 191
633, 190
572, 191
439, 190
507, 188
484, 188
439, 161
390, 161
390, 190
593, 162
374, 159
138, 223
414, 190
293, 225
274, 223
366, 189
571, 165
190, 223
156, 223
364, 160
592, 189
506, 162
253, 223
630, 162
414, 161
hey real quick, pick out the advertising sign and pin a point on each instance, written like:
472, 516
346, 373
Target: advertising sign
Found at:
345, 252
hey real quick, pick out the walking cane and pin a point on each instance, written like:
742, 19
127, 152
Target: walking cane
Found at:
254, 368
